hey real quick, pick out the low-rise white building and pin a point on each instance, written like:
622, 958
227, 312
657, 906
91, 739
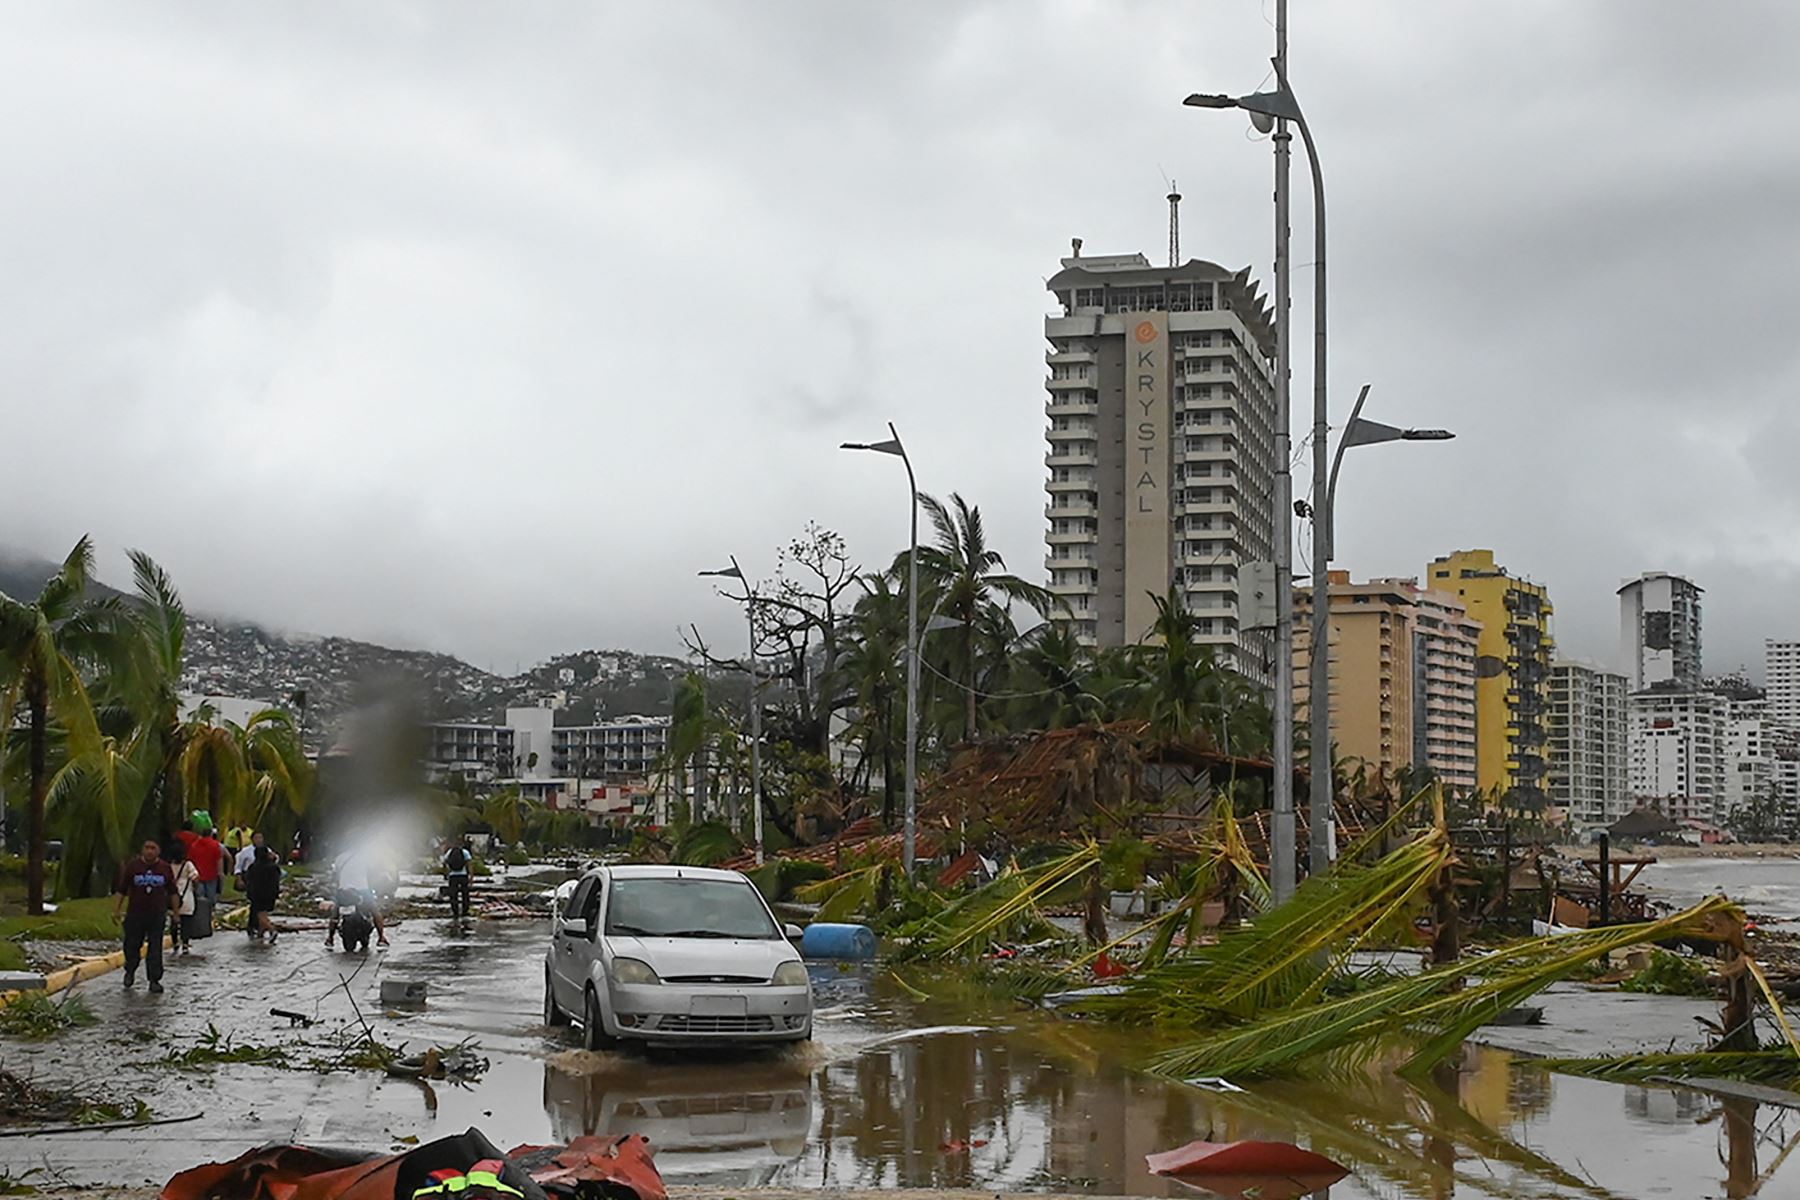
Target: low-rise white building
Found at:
548, 761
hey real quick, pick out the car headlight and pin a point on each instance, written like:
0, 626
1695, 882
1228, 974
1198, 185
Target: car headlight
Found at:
790, 974
630, 970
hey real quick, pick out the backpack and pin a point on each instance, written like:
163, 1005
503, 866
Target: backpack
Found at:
457, 859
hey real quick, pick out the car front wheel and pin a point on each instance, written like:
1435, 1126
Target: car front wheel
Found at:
593, 1030
554, 1017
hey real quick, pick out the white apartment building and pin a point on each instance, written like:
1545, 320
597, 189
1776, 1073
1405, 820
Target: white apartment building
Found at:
1161, 447
1781, 676
531, 750
1588, 771
1659, 631
1749, 755
1677, 748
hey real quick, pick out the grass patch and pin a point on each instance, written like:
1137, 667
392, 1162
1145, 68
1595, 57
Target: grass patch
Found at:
88, 920
12, 957
35, 1016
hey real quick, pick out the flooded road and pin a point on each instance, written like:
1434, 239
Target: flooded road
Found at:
960, 1090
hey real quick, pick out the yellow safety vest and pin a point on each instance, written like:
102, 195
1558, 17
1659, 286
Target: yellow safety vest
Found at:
449, 1182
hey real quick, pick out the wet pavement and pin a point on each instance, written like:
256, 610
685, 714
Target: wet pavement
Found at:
961, 1090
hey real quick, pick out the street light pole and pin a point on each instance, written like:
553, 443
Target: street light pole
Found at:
1322, 813
910, 838
1281, 825
1274, 109
736, 572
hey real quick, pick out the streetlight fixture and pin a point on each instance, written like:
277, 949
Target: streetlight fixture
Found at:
910, 839
1272, 111
1358, 432
736, 572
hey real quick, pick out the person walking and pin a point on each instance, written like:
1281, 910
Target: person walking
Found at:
144, 895
262, 883
456, 875
208, 856
247, 855
187, 898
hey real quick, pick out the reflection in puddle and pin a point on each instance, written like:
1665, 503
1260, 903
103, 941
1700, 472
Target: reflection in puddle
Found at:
1014, 1101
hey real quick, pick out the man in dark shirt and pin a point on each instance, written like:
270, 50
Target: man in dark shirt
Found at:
146, 894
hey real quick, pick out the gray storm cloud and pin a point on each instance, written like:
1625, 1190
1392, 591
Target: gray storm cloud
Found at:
484, 327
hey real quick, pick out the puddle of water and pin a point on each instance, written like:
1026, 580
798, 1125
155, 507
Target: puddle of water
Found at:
966, 1091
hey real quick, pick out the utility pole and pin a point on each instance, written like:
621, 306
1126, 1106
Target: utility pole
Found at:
1323, 813
1282, 837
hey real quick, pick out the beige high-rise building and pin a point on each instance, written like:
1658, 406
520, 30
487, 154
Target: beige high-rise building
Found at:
1371, 670
1445, 641
1402, 676
1161, 460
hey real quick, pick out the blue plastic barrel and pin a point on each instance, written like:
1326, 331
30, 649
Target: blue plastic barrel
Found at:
838, 941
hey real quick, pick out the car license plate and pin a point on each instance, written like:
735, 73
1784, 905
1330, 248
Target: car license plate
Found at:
718, 1006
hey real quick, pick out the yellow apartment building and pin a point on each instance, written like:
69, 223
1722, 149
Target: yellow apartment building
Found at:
1512, 690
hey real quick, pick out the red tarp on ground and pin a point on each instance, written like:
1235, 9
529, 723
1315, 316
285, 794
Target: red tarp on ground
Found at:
1241, 1158
619, 1167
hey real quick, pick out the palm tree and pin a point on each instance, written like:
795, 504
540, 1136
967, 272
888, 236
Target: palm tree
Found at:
239, 772
874, 664
689, 726
1177, 685
507, 813
43, 646
1057, 676
152, 686
966, 577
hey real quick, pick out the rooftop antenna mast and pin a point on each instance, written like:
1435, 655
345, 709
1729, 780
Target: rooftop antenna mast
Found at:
1174, 225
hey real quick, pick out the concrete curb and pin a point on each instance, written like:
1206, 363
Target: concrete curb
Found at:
81, 972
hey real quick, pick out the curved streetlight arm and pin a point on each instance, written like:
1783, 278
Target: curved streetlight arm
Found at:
1337, 460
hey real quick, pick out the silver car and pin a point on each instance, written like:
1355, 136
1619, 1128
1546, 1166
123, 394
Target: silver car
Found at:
674, 955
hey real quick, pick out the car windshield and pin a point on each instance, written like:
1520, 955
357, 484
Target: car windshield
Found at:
701, 908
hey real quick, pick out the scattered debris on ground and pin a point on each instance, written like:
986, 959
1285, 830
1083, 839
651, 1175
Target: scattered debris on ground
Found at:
26, 1104
35, 1016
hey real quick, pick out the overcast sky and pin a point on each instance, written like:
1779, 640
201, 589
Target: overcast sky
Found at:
482, 327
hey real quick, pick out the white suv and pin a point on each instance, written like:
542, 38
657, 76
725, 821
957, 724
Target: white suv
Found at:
674, 954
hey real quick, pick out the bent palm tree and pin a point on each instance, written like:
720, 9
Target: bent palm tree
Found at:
43, 645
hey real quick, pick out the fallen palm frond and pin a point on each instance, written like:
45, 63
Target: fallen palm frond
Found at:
1775, 1067
35, 1015
1437, 1008
989, 913
1225, 860
854, 893
1376, 838
1292, 952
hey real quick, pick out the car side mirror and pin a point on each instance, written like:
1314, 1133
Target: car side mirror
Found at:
575, 927
792, 933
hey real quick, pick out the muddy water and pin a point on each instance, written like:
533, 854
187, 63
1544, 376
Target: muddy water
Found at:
1769, 888
961, 1090
964, 1090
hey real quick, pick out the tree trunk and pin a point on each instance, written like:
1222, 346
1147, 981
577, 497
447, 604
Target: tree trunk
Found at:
887, 777
1094, 925
969, 662
37, 706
